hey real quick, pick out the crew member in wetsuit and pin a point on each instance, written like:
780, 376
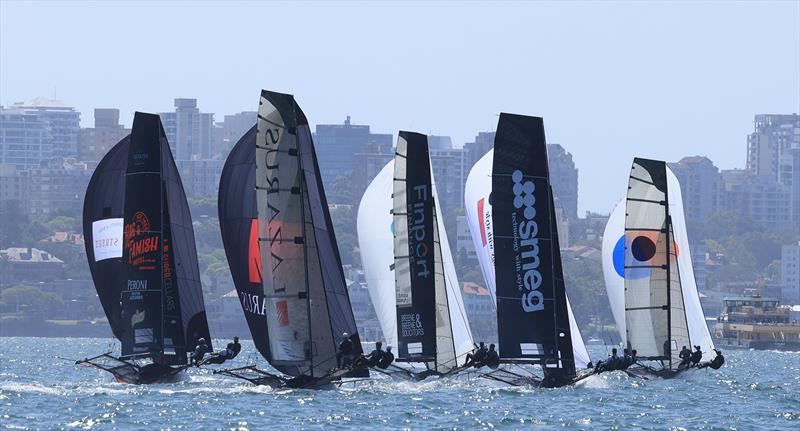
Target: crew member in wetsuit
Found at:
686, 357
492, 358
609, 364
229, 352
200, 351
477, 356
372, 359
631, 359
715, 363
344, 356
697, 355
386, 359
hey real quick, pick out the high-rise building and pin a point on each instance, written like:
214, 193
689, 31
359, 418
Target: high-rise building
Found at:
25, 140
63, 123
464, 242
449, 173
790, 274
13, 185
200, 178
189, 131
234, 127
564, 180
57, 189
336, 144
773, 151
701, 186
94, 142
473, 151
759, 198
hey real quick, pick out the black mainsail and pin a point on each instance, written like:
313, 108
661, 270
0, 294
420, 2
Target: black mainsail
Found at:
305, 300
533, 323
141, 249
414, 264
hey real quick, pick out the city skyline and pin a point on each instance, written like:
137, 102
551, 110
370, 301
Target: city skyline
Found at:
612, 81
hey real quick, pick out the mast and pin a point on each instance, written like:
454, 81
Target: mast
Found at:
305, 259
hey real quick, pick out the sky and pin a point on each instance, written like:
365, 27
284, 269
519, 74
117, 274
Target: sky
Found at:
612, 80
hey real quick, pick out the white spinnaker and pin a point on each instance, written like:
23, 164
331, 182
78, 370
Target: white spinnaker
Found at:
375, 240
696, 320
479, 219
462, 335
613, 236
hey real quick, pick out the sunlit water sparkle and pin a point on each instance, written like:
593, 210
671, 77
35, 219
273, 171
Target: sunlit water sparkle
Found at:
755, 390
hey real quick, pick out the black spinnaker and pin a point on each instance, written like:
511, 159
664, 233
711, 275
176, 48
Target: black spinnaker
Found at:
141, 251
306, 306
532, 320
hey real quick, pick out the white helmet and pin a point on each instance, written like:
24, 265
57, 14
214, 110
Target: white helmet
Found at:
345, 334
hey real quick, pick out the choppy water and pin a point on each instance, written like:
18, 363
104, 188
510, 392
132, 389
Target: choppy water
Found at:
755, 390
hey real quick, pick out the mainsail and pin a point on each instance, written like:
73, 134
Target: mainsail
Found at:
531, 302
238, 222
649, 285
307, 304
478, 204
431, 323
142, 248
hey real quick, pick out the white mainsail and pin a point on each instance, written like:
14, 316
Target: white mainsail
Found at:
478, 207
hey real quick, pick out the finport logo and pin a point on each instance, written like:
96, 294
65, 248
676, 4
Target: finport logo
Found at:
526, 243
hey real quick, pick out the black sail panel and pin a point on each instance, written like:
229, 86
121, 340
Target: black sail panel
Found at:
339, 311
141, 294
185, 318
102, 228
414, 246
565, 367
523, 233
238, 220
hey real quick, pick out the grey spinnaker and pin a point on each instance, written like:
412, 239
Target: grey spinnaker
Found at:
308, 307
238, 221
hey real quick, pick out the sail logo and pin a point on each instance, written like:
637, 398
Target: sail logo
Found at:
417, 232
282, 308
137, 317
139, 242
255, 304
526, 243
254, 254
107, 238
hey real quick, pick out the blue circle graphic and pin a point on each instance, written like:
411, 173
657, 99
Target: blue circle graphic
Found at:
619, 256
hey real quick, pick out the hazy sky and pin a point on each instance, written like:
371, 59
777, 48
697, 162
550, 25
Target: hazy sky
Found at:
612, 80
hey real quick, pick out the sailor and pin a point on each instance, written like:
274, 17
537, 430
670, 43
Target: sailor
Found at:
697, 355
231, 350
200, 351
476, 356
625, 360
715, 363
344, 356
492, 358
686, 357
386, 359
631, 360
372, 359
613, 362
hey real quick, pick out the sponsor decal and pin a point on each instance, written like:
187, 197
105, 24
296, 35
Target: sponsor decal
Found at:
254, 254
411, 325
169, 287
482, 217
643, 252
254, 304
526, 244
417, 232
137, 317
107, 238
282, 307
140, 243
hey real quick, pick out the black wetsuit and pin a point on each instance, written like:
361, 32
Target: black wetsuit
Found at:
715, 363
686, 358
386, 359
492, 359
199, 352
345, 356
370, 360
696, 357
477, 358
